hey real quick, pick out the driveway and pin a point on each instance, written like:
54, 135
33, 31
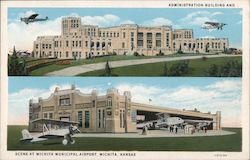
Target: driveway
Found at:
75, 70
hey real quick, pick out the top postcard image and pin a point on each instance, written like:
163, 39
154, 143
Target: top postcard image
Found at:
189, 42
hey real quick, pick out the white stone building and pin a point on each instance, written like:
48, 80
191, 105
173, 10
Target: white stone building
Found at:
84, 41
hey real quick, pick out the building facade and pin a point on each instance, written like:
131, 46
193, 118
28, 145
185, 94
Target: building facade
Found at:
79, 41
111, 113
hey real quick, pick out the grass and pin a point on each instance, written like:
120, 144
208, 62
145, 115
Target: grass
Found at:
197, 67
54, 67
211, 143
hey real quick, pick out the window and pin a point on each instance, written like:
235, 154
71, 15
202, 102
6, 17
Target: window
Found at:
86, 124
123, 45
86, 43
122, 118
64, 102
45, 115
67, 43
124, 34
149, 40
103, 118
36, 46
109, 102
79, 118
99, 118
80, 43
50, 115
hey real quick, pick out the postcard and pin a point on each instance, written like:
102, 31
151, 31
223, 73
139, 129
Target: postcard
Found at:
124, 80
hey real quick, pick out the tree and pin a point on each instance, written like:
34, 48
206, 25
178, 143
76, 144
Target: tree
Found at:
229, 69
107, 69
213, 70
16, 67
165, 70
179, 68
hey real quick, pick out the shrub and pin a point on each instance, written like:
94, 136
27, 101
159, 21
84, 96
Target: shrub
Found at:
136, 54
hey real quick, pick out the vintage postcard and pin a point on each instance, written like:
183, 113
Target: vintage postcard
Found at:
124, 80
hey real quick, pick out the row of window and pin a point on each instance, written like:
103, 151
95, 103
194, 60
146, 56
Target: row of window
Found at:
110, 34
86, 119
48, 115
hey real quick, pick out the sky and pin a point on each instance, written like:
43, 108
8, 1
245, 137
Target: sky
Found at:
205, 94
22, 35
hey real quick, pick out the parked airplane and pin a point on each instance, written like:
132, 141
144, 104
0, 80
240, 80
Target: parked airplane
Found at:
199, 124
163, 121
65, 131
213, 25
33, 18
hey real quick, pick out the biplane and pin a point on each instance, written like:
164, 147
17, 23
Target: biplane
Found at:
52, 129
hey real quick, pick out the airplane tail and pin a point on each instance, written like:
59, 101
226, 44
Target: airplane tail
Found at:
26, 135
46, 17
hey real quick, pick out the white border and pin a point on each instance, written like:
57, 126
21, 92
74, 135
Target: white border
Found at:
244, 4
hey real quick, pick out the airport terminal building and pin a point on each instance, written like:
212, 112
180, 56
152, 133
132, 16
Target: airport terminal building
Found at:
78, 41
111, 113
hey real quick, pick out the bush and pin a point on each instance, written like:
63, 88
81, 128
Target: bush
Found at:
204, 58
179, 69
180, 52
63, 62
136, 54
229, 69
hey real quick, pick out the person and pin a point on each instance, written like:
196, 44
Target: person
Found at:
176, 130
170, 128
144, 132
205, 129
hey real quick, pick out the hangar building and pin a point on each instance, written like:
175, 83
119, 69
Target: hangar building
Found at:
112, 112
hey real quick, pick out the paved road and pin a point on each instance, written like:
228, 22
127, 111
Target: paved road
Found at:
75, 70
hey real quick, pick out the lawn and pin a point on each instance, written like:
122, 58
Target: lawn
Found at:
53, 67
210, 143
197, 67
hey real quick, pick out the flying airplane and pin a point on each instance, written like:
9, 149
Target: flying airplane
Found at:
163, 121
33, 18
213, 25
65, 131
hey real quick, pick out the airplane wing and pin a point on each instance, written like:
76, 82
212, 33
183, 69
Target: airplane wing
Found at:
33, 16
53, 121
212, 23
197, 121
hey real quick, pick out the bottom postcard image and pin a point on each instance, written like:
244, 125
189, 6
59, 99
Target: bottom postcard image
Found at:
124, 114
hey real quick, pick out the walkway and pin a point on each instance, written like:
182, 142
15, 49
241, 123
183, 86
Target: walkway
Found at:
75, 70
155, 134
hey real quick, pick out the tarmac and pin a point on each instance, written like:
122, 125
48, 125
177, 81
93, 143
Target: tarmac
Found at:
75, 70
156, 134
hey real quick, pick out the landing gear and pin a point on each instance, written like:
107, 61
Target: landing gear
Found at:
68, 139
65, 141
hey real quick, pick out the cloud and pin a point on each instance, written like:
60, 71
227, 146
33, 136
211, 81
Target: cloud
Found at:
102, 21
239, 22
199, 18
227, 85
127, 22
158, 22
